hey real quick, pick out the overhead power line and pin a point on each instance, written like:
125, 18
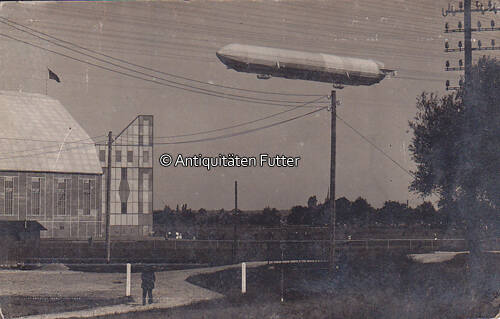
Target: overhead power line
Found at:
49, 141
218, 95
146, 74
148, 68
86, 145
375, 146
242, 132
80, 142
243, 123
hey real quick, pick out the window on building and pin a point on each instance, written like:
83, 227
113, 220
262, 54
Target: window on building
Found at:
35, 196
102, 155
62, 195
2, 195
124, 207
9, 196
130, 156
86, 197
145, 156
124, 173
118, 156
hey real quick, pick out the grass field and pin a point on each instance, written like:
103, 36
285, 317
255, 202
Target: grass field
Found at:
370, 287
33, 305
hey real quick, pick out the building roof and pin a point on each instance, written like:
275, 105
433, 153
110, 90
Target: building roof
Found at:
38, 134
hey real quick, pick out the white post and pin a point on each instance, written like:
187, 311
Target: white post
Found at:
243, 278
127, 289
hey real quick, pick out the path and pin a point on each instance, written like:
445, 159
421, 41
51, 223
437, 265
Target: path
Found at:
171, 290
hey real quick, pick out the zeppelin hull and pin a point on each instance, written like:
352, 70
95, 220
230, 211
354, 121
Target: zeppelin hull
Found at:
301, 65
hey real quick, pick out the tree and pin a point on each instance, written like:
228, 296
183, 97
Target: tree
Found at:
393, 213
343, 210
426, 213
268, 217
297, 215
312, 202
456, 147
361, 211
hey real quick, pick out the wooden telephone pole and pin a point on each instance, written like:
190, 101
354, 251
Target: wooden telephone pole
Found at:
333, 146
466, 28
108, 199
235, 224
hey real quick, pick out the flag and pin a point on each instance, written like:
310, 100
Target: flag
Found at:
53, 76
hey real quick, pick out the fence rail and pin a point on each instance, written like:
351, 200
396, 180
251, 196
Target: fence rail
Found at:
225, 251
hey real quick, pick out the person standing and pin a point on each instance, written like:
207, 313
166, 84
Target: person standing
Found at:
148, 283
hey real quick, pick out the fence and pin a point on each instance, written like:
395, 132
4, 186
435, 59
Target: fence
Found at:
217, 252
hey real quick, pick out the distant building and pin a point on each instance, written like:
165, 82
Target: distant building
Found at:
131, 179
49, 168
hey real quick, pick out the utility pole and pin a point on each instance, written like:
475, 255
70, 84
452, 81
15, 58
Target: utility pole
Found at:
108, 199
235, 222
466, 8
467, 47
333, 145
469, 205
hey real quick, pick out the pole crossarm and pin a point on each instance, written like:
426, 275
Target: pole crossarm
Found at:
473, 49
472, 30
458, 68
479, 8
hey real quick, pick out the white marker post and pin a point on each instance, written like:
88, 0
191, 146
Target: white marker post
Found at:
243, 278
127, 289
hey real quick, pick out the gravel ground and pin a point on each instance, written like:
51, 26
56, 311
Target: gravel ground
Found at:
88, 289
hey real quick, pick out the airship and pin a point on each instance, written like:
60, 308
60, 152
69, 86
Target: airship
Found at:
272, 62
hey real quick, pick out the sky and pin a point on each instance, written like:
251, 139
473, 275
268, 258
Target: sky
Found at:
180, 38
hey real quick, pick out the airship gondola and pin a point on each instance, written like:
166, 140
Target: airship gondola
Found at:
271, 62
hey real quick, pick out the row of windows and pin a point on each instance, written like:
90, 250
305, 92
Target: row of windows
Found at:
62, 196
118, 156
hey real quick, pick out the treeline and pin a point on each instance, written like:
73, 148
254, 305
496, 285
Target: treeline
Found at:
360, 213
355, 213
188, 217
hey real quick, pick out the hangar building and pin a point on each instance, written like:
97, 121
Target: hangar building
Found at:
49, 168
